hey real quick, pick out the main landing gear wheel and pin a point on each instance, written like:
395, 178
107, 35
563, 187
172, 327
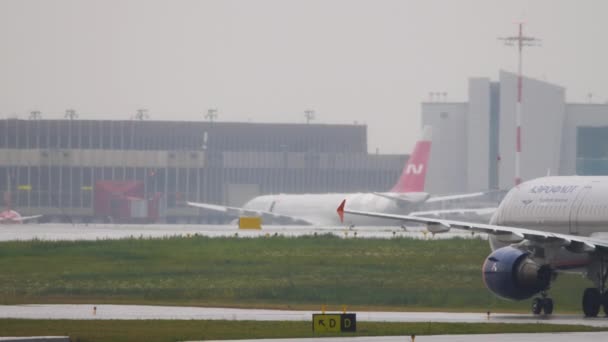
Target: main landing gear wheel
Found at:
537, 306
542, 305
592, 299
548, 306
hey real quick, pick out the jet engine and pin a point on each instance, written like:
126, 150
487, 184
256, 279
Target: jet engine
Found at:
510, 273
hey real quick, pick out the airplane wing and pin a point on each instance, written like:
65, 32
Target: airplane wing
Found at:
265, 215
404, 198
446, 212
19, 219
573, 243
435, 199
29, 218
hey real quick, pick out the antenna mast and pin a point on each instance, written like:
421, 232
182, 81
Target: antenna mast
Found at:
520, 40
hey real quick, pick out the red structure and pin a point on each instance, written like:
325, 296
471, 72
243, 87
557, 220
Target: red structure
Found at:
124, 201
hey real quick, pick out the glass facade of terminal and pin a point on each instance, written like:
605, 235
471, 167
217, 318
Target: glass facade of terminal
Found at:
592, 151
51, 166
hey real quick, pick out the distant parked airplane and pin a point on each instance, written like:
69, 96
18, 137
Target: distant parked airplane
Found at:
9, 216
316, 209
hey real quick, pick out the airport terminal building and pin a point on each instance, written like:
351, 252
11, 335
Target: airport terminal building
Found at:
474, 141
144, 171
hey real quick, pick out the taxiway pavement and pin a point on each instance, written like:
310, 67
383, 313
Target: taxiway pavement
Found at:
65, 231
136, 312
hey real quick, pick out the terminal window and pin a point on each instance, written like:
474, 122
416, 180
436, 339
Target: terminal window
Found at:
592, 151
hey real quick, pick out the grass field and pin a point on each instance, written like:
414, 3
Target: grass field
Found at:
279, 272
162, 331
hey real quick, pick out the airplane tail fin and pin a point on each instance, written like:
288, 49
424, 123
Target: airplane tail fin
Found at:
414, 173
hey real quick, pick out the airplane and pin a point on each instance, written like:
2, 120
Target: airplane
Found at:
9, 216
542, 228
12, 217
315, 209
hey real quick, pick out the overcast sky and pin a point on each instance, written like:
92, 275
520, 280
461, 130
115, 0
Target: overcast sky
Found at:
372, 62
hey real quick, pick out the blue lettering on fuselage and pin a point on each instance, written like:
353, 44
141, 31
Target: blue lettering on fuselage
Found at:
553, 189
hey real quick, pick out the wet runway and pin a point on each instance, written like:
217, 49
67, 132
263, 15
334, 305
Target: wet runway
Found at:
64, 231
128, 312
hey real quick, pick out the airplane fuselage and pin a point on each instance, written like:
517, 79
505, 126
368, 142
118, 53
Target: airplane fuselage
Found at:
320, 208
576, 205
10, 217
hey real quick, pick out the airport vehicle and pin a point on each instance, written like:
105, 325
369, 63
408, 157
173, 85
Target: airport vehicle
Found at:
543, 227
316, 209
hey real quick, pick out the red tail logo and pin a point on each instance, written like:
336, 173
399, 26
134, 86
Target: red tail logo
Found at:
414, 173
414, 169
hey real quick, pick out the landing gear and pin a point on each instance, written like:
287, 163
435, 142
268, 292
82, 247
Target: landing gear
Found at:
537, 306
592, 299
596, 297
548, 306
542, 304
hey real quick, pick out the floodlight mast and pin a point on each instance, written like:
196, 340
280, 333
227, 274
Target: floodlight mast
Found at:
211, 114
142, 114
309, 114
521, 41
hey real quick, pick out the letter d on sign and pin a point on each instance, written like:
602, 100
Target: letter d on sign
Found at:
349, 322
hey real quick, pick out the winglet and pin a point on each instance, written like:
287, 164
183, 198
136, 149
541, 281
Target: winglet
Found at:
340, 210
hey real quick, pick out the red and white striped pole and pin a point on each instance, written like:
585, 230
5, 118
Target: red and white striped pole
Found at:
518, 112
521, 42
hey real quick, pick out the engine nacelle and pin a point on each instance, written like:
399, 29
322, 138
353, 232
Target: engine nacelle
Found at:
512, 274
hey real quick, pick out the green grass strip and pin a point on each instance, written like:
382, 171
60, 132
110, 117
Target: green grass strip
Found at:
277, 272
179, 330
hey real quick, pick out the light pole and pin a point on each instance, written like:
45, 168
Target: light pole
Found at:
211, 114
71, 115
309, 114
35, 115
520, 40
142, 114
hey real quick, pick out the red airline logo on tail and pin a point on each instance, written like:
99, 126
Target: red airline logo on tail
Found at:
414, 169
414, 173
